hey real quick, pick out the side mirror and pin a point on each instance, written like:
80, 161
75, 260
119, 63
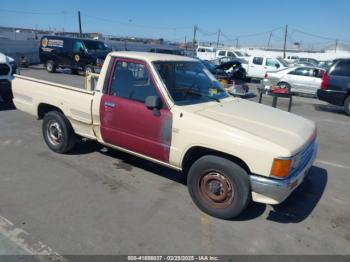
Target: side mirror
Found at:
82, 50
154, 103
277, 65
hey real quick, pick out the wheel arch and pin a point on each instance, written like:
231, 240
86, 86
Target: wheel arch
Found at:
196, 152
44, 108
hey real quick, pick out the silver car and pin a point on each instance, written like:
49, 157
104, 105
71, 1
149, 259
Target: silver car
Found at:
298, 79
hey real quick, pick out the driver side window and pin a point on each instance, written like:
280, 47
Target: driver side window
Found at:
131, 80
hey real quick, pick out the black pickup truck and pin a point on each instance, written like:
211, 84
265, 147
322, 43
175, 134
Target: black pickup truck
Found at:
335, 87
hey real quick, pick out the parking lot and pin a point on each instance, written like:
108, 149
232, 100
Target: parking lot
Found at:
101, 201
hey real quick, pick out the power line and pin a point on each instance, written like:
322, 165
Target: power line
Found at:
319, 36
255, 34
135, 25
206, 33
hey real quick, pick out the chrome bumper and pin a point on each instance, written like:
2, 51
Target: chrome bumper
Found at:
274, 191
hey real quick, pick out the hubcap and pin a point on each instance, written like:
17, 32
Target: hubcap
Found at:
49, 67
54, 132
216, 190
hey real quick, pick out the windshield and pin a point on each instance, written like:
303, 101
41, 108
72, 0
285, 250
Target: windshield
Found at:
189, 82
95, 46
284, 63
238, 53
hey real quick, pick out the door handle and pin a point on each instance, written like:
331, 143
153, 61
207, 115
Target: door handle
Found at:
109, 104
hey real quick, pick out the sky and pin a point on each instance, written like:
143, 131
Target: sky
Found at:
251, 21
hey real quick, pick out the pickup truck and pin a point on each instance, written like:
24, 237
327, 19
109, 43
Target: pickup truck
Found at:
258, 65
171, 110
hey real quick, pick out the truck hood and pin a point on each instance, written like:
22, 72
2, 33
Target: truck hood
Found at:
285, 129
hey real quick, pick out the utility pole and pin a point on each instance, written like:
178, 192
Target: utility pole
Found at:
185, 42
195, 28
217, 43
80, 31
285, 42
336, 45
268, 42
237, 43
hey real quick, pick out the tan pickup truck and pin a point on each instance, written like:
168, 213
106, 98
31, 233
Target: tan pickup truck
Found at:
172, 111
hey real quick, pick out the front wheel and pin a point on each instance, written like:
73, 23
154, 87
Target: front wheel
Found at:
219, 186
58, 132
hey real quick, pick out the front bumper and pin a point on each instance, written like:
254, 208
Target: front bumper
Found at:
274, 191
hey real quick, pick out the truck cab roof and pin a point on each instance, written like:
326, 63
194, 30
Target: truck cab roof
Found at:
152, 57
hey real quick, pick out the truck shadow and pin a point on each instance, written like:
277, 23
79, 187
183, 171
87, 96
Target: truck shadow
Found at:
295, 209
128, 162
298, 206
303, 200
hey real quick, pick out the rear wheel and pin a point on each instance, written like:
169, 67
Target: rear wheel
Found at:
58, 132
50, 66
347, 106
218, 186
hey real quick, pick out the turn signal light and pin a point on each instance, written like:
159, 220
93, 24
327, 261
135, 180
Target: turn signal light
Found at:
281, 168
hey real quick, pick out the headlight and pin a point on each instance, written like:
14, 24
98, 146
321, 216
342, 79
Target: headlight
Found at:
281, 167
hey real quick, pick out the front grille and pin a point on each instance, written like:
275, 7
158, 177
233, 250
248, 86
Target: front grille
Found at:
304, 157
4, 69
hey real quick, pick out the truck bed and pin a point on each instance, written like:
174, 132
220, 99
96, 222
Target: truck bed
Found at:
31, 95
64, 77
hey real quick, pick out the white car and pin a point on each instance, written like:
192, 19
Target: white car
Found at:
299, 79
8, 67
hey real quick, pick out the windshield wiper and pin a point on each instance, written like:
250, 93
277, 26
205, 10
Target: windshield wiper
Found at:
191, 91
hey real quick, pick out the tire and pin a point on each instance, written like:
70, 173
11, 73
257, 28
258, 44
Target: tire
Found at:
284, 85
88, 69
347, 105
220, 174
50, 66
58, 132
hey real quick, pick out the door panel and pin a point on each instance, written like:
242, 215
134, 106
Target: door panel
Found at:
128, 123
